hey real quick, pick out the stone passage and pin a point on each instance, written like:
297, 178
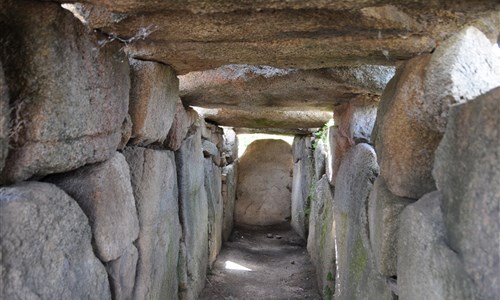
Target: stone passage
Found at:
264, 184
119, 168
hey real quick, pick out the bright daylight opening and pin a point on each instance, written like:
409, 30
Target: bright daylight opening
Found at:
245, 139
234, 266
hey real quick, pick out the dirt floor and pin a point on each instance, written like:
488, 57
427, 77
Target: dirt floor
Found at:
262, 263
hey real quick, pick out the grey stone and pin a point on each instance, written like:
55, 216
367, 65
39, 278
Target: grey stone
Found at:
154, 92
179, 128
384, 210
264, 182
230, 150
319, 159
213, 187
193, 208
46, 246
321, 239
154, 181
303, 174
69, 91
122, 272
210, 150
4, 119
427, 267
126, 132
229, 178
416, 102
467, 172
105, 195
352, 188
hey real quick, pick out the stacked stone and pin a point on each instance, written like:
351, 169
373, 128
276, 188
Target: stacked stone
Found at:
126, 183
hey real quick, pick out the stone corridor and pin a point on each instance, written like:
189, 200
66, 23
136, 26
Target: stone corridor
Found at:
122, 123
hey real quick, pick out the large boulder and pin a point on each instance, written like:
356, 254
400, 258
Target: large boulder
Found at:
193, 211
45, 246
415, 104
264, 183
427, 267
179, 128
321, 239
153, 96
4, 119
355, 276
229, 178
467, 172
154, 182
122, 273
105, 195
303, 173
213, 187
69, 89
384, 210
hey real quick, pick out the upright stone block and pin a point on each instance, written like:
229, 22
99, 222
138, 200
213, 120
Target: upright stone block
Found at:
230, 149
264, 182
467, 172
122, 272
193, 208
427, 267
46, 246
384, 210
153, 96
4, 119
303, 173
229, 178
69, 90
412, 113
154, 182
179, 128
321, 239
213, 187
319, 160
105, 195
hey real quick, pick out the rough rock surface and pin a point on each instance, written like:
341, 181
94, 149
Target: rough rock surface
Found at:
229, 178
193, 209
303, 173
154, 90
264, 183
467, 172
4, 119
321, 239
122, 272
69, 90
319, 159
384, 210
354, 256
213, 187
415, 105
154, 181
201, 35
427, 267
230, 148
179, 128
105, 195
45, 246
210, 150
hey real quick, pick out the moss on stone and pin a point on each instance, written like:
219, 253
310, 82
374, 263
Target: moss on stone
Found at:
359, 259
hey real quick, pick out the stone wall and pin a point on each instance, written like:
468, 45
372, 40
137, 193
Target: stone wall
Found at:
112, 189
427, 226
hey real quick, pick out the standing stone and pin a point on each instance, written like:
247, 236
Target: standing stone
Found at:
427, 268
194, 217
354, 257
4, 119
412, 113
122, 272
321, 239
179, 128
153, 96
211, 150
45, 246
229, 177
320, 159
154, 181
264, 183
303, 173
230, 149
467, 172
213, 187
105, 195
69, 90
384, 210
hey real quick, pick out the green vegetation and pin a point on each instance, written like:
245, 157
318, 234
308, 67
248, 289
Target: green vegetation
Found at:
322, 134
328, 293
329, 277
358, 263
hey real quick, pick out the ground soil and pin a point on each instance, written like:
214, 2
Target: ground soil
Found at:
280, 267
